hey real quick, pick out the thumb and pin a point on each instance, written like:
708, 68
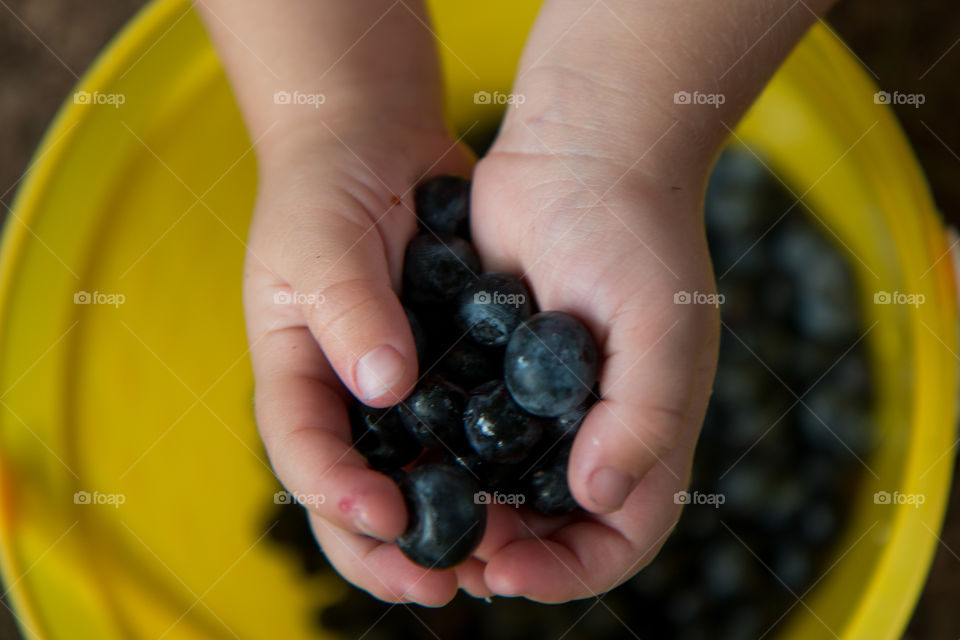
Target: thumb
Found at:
340, 276
655, 388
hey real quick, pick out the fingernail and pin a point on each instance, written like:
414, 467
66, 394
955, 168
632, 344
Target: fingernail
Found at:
610, 487
378, 370
364, 527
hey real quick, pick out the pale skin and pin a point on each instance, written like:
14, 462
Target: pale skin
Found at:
592, 191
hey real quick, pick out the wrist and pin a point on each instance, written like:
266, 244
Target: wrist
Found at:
572, 112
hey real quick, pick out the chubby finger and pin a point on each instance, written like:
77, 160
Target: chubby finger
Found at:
470, 578
302, 418
579, 561
654, 384
381, 569
335, 261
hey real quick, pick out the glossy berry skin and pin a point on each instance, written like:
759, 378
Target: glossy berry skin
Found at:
446, 520
436, 269
491, 307
546, 488
491, 475
566, 425
442, 205
496, 427
381, 437
419, 336
550, 364
470, 365
433, 413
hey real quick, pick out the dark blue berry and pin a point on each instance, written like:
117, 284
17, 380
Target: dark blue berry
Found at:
550, 364
566, 425
470, 365
547, 490
436, 269
442, 205
496, 427
446, 519
381, 437
491, 307
490, 475
433, 413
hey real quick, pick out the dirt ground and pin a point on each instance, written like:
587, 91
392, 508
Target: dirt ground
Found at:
910, 47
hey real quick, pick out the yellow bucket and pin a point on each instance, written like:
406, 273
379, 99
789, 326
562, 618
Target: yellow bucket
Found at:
151, 399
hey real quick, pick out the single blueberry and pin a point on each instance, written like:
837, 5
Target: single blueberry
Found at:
435, 269
470, 365
447, 520
496, 427
567, 424
550, 364
443, 205
494, 476
491, 307
547, 490
381, 437
433, 413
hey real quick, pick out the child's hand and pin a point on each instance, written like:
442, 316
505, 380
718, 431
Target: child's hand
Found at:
612, 247
332, 221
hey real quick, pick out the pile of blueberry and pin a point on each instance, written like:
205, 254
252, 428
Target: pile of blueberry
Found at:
787, 469
503, 390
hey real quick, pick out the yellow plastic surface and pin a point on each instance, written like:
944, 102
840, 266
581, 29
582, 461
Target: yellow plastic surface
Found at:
152, 399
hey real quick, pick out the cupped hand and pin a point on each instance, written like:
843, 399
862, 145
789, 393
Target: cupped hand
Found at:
333, 216
614, 245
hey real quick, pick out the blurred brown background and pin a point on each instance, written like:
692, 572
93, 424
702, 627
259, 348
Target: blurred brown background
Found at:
910, 47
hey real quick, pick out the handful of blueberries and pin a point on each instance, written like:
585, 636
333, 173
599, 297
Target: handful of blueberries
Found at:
503, 390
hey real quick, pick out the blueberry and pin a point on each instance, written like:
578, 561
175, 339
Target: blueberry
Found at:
419, 337
443, 205
491, 475
550, 364
446, 520
567, 424
381, 437
433, 413
470, 365
496, 427
491, 307
436, 269
546, 489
